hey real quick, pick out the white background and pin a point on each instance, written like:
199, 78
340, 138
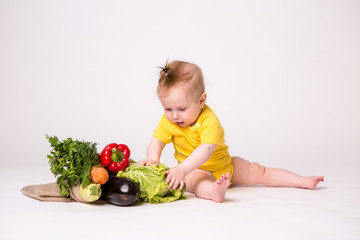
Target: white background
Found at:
282, 76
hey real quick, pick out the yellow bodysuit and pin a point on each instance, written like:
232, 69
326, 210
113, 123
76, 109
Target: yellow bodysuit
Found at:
207, 129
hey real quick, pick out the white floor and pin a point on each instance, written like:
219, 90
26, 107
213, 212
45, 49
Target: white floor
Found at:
330, 212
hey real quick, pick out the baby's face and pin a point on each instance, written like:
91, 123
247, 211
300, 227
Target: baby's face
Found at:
180, 107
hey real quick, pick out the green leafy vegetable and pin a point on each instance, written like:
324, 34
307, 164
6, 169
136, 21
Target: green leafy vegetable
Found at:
71, 162
153, 187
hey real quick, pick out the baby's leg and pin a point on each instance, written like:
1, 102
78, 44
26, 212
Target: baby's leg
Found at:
246, 173
202, 183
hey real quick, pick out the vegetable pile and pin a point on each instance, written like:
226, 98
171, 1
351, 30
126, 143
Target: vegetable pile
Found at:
75, 162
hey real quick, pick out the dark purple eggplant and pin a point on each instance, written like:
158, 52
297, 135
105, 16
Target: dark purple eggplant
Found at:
120, 191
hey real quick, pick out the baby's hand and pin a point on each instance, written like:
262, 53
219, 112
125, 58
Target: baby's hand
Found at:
146, 162
175, 176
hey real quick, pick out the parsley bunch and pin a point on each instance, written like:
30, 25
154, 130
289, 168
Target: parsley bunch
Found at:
71, 162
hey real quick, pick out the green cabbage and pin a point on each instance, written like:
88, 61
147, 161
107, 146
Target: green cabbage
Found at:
153, 187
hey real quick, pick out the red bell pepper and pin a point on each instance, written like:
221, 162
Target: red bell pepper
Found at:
115, 157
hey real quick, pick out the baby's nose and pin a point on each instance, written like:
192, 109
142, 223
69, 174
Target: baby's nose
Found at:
175, 115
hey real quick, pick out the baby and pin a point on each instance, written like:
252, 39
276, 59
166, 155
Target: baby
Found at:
204, 163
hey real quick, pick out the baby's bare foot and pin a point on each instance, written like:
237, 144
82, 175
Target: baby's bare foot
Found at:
220, 186
312, 182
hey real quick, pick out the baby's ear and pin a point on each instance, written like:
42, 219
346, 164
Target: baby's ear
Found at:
203, 100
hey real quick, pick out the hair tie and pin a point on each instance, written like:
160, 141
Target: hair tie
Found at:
165, 72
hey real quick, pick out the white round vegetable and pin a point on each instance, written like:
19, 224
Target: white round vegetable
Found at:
90, 193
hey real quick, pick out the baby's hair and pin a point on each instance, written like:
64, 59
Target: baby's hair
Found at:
181, 72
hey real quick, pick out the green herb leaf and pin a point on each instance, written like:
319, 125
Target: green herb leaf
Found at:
71, 161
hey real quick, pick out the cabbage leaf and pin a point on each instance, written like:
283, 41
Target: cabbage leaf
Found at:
153, 187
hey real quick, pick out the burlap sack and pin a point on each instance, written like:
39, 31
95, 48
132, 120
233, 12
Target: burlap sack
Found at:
51, 193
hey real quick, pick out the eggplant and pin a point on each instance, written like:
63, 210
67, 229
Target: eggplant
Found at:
120, 191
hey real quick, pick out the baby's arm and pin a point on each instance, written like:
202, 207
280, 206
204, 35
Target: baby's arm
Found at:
153, 153
176, 175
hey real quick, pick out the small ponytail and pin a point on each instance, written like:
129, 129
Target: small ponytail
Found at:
179, 71
165, 69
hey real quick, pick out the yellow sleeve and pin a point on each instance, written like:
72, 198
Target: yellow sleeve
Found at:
212, 131
163, 132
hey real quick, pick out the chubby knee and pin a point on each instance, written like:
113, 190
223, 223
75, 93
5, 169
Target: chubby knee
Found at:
196, 176
257, 171
256, 167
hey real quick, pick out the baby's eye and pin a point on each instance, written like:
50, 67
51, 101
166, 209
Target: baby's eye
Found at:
182, 109
167, 109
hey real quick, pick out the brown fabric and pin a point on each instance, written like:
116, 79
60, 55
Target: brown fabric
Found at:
51, 193
74, 193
